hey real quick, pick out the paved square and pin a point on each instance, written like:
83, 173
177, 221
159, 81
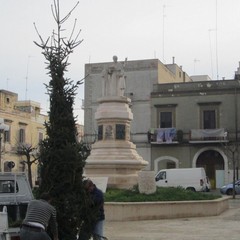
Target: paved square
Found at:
225, 226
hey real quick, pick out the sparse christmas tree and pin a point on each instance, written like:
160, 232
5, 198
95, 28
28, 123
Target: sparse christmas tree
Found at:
62, 157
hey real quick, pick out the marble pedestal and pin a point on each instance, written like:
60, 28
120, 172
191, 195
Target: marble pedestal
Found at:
114, 155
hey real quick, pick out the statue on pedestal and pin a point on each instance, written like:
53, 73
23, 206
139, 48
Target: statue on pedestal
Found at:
114, 156
114, 79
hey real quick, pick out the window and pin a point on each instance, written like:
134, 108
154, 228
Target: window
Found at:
165, 119
209, 119
22, 135
7, 136
161, 176
209, 115
40, 137
166, 116
8, 186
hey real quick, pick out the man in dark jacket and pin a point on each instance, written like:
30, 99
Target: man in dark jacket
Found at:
97, 198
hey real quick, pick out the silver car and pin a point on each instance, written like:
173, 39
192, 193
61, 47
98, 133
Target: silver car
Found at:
228, 189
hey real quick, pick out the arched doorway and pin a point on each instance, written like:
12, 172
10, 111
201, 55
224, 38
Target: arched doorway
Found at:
211, 161
165, 162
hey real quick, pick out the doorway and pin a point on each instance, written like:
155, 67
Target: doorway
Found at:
211, 161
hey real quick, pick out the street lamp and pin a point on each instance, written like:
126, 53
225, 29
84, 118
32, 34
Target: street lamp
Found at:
3, 127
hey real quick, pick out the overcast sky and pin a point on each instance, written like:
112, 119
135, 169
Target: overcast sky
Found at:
202, 35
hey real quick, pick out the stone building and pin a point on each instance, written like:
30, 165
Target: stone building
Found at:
141, 75
205, 116
177, 121
26, 126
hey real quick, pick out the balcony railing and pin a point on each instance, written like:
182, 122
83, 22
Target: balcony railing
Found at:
173, 136
208, 135
162, 135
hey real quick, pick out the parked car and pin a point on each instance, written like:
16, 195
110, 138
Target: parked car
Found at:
228, 189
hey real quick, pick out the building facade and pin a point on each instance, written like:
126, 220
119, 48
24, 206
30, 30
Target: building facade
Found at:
141, 75
205, 116
26, 126
177, 121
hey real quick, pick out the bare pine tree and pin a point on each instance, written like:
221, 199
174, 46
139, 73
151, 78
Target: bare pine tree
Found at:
62, 158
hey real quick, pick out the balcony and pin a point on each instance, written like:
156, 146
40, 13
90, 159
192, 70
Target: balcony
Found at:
208, 135
173, 136
162, 136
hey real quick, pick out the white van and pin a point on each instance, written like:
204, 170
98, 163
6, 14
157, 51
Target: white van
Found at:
194, 179
14, 189
15, 194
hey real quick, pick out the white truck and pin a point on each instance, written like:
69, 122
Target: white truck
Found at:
15, 194
193, 179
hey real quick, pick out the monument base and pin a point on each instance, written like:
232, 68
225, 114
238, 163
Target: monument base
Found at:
119, 161
118, 176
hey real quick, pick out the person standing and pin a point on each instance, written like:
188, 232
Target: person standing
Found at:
96, 195
40, 214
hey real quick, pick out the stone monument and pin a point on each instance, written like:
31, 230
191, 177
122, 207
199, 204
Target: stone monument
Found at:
113, 155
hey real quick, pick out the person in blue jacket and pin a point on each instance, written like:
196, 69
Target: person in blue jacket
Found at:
96, 195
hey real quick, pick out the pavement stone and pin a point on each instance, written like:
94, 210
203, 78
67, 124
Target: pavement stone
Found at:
225, 226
